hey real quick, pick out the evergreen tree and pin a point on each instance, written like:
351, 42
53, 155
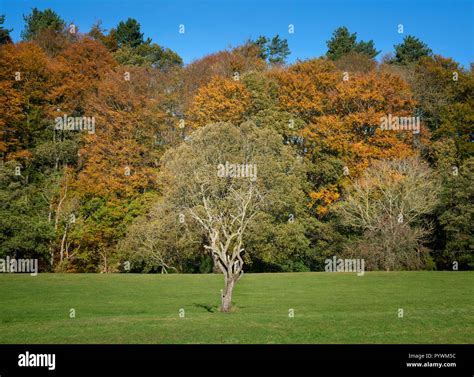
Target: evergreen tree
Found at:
275, 50
411, 50
39, 20
278, 50
4, 33
343, 42
128, 33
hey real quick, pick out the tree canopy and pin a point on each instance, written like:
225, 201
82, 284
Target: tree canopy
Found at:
344, 42
39, 21
106, 138
410, 50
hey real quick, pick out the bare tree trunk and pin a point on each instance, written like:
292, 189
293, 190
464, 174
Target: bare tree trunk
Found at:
58, 209
105, 268
51, 251
225, 234
63, 241
227, 294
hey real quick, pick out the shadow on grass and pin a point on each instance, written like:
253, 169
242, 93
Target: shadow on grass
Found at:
216, 308
209, 308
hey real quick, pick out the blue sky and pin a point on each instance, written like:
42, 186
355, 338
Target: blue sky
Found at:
211, 25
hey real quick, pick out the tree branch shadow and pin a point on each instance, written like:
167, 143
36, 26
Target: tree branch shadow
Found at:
209, 308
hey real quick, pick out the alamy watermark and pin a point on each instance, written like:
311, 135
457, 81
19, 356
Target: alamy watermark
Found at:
67, 123
47, 360
345, 265
19, 265
395, 123
237, 171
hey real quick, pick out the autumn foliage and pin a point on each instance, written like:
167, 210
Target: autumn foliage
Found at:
328, 112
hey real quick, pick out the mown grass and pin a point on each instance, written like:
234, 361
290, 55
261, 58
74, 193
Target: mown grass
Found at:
329, 308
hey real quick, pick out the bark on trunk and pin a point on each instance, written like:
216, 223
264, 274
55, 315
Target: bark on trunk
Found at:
227, 295
61, 254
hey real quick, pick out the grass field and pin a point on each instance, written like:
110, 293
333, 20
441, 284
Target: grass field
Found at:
329, 308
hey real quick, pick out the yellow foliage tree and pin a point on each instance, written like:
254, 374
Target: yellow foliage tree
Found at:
221, 100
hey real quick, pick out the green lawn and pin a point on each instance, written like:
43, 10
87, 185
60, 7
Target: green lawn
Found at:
329, 308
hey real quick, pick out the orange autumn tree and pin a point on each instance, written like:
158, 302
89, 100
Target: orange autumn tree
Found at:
117, 166
221, 100
351, 128
304, 87
78, 70
26, 83
345, 124
118, 159
241, 60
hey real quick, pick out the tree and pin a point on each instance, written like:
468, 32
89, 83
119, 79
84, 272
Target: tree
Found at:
456, 215
445, 96
118, 158
160, 241
343, 42
410, 50
4, 33
388, 204
225, 64
148, 54
304, 87
222, 178
39, 20
221, 100
79, 69
457, 117
97, 32
24, 228
24, 107
261, 44
366, 48
278, 50
275, 50
354, 62
263, 92
128, 33
433, 87
349, 124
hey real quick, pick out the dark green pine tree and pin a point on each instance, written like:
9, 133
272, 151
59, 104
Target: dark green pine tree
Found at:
344, 42
128, 33
4, 33
341, 43
411, 50
278, 50
39, 20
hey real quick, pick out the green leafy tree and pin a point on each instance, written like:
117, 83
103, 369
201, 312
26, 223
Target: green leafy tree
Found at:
456, 215
445, 100
148, 54
24, 228
388, 205
200, 183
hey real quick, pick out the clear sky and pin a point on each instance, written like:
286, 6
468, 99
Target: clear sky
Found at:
211, 25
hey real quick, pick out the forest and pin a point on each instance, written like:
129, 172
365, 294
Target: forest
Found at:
118, 157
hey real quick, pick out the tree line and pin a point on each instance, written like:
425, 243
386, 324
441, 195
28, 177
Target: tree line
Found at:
141, 192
